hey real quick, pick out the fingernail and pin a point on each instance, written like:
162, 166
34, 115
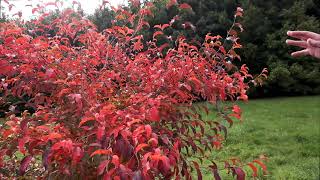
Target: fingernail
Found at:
289, 32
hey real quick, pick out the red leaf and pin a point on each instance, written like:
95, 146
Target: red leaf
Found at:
63, 92
171, 3
134, 121
5, 68
138, 46
236, 109
185, 6
21, 143
239, 12
100, 132
115, 160
64, 144
196, 165
195, 82
221, 48
153, 142
104, 2
254, 169
34, 10
239, 26
76, 155
148, 130
101, 152
24, 165
215, 172
236, 112
51, 4
154, 114
239, 172
166, 163
76, 2
162, 27
7, 133
157, 33
102, 166
262, 165
140, 146
233, 32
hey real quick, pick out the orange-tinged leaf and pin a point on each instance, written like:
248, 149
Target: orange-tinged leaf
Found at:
52, 136
101, 152
134, 121
140, 147
233, 32
86, 119
7, 133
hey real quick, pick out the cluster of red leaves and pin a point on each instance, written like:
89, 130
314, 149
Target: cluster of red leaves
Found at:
111, 105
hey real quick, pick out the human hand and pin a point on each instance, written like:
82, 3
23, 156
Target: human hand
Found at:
310, 41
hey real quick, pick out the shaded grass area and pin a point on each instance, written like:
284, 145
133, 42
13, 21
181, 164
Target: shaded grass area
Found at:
287, 130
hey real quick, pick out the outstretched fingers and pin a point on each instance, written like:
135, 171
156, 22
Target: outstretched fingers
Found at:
303, 35
302, 44
304, 52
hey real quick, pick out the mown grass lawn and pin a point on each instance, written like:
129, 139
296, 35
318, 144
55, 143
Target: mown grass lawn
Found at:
287, 130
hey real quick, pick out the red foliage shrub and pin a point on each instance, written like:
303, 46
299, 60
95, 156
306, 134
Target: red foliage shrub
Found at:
111, 105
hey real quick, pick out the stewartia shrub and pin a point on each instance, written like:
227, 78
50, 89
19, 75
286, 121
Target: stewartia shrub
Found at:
84, 104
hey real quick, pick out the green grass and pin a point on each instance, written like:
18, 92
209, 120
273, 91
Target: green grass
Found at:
287, 130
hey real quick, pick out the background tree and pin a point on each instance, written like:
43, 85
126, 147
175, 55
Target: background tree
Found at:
265, 24
264, 46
